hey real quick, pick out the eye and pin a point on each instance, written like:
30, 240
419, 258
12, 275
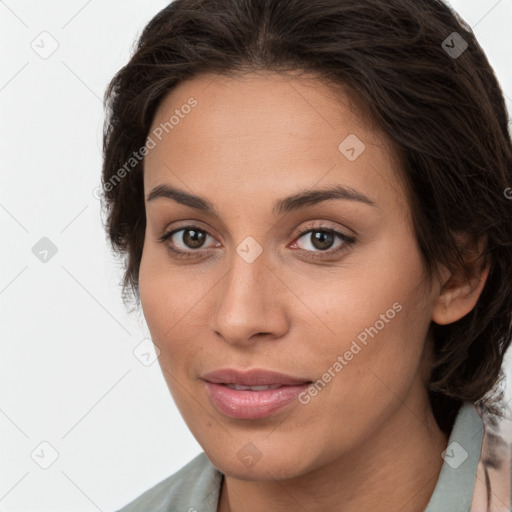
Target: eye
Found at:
186, 241
190, 241
320, 241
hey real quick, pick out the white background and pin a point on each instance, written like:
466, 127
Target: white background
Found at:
68, 375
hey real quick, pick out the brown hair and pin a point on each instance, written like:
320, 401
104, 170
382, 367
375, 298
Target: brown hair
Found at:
439, 102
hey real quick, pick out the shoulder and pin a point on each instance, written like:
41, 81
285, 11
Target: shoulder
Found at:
196, 486
494, 477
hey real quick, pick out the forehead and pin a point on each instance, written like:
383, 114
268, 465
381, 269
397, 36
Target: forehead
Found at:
297, 104
247, 130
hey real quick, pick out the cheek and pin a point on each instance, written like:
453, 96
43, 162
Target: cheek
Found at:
152, 298
373, 369
173, 303
381, 322
161, 303
379, 307
162, 313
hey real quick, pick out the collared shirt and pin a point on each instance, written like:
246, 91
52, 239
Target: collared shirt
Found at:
475, 475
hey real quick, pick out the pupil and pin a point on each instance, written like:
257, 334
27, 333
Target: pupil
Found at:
322, 240
195, 240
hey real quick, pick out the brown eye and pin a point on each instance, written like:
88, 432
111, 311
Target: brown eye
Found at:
322, 240
189, 241
193, 238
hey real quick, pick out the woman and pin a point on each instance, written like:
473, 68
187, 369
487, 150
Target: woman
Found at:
312, 201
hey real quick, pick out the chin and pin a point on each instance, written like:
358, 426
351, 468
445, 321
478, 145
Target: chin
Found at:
265, 468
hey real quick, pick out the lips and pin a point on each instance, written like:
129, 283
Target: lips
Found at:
254, 377
252, 394
238, 387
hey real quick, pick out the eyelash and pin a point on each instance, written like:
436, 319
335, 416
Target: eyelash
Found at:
348, 242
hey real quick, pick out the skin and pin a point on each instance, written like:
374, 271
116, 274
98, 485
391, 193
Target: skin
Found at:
368, 439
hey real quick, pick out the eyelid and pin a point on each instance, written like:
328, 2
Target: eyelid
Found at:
323, 226
190, 224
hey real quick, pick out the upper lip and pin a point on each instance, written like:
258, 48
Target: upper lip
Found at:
254, 377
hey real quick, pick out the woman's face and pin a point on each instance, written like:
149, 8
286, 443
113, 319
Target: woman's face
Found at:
261, 279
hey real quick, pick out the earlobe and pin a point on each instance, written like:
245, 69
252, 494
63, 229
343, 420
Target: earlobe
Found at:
458, 296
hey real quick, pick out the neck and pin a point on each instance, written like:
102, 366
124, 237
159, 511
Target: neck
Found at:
397, 469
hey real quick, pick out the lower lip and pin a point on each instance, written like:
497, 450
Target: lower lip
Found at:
252, 405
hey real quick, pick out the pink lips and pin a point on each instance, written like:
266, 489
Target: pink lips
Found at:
256, 403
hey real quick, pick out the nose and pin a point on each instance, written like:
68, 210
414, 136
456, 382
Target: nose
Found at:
249, 303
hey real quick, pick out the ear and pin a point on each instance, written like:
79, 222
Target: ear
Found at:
458, 296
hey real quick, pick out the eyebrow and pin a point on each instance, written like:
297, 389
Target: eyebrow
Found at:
282, 206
